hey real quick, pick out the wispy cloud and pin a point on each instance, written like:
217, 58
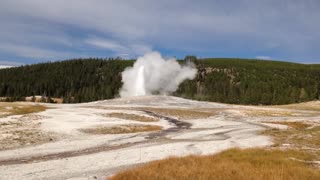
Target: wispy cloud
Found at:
106, 44
120, 49
33, 52
264, 57
10, 63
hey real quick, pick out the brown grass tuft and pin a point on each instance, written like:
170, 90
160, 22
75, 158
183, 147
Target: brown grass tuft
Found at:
270, 112
133, 117
186, 114
123, 129
294, 124
307, 106
9, 109
254, 164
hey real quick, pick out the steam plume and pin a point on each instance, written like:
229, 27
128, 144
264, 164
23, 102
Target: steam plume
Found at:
153, 74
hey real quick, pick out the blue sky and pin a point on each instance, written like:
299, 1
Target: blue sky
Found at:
34, 31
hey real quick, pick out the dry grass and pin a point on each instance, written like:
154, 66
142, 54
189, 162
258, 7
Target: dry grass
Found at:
299, 136
57, 100
308, 106
133, 117
267, 113
186, 114
123, 129
249, 164
294, 124
8, 109
295, 162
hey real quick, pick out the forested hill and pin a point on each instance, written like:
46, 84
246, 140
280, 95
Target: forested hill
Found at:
238, 81
241, 81
80, 80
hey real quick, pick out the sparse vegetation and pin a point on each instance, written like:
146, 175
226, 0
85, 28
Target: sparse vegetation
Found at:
122, 129
307, 106
8, 109
16, 138
300, 136
257, 164
295, 125
22, 131
133, 117
180, 113
268, 113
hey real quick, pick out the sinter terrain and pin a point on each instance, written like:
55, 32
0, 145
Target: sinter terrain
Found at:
100, 139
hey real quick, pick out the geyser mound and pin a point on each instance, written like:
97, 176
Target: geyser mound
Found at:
152, 74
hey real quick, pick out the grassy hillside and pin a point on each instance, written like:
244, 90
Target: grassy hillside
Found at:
237, 81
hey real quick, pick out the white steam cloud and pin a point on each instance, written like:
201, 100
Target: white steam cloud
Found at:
152, 74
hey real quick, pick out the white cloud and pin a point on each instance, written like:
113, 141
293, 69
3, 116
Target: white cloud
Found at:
264, 57
4, 67
106, 44
128, 49
10, 63
142, 18
33, 52
32, 33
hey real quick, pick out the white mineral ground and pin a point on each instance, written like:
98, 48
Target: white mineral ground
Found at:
77, 155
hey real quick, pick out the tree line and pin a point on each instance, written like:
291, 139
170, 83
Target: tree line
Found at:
239, 81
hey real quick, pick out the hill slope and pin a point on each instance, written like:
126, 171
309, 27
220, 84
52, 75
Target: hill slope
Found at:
242, 81
223, 80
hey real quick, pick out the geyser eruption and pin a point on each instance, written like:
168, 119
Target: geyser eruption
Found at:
152, 74
139, 86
